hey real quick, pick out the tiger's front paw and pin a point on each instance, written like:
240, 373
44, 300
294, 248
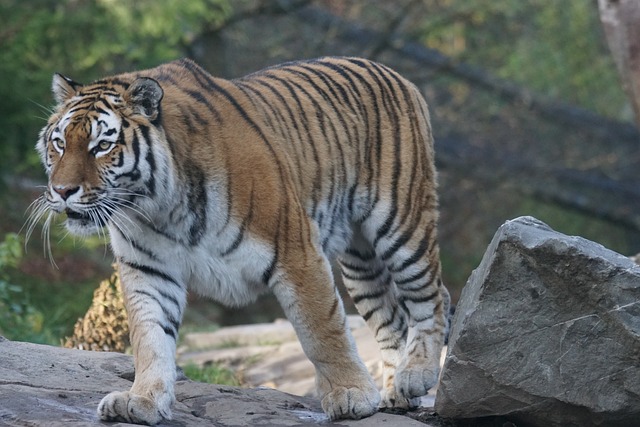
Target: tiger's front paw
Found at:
351, 402
132, 408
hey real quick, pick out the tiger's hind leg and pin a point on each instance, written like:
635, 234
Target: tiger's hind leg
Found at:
411, 255
369, 284
309, 298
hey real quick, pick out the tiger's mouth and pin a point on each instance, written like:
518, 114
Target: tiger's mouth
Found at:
77, 215
84, 218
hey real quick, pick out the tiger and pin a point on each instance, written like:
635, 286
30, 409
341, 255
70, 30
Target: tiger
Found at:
231, 188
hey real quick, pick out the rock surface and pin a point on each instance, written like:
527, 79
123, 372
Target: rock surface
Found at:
546, 332
51, 386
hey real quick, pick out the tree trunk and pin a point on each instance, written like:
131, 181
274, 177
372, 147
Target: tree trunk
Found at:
621, 22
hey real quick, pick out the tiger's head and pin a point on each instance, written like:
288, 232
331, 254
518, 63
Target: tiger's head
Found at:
96, 151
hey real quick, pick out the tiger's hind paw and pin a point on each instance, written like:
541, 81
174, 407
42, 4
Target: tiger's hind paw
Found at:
394, 401
350, 402
132, 408
415, 381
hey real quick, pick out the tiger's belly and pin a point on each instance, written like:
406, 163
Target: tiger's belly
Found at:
232, 280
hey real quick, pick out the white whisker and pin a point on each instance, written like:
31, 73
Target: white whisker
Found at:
47, 110
36, 210
115, 208
115, 199
116, 220
46, 231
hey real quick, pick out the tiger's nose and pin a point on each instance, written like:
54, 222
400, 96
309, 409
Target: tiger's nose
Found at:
65, 192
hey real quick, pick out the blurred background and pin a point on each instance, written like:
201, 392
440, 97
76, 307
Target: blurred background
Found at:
528, 112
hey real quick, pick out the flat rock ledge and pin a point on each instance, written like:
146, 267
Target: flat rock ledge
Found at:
51, 386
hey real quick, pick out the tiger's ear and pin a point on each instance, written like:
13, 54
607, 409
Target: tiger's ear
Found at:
63, 88
144, 96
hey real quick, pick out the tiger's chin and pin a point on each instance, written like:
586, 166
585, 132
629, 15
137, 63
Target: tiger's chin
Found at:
82, 224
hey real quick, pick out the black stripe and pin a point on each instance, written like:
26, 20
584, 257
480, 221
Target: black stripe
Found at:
396, 245
106, 83
419, 275
268, 273
387, 322
150, 183
366, 316
331, 85
243, 227
403, 326
172, 320
137, 247
357, 254
422, 319
186, 114
100, 110
169, 331
152, 227
200, 98
424, 298
353, 267
367, 277
418, 254
359, 298
152, 272
169, 317
384, 75
328, 99
208, 82
197, 200
134, 173
196, 116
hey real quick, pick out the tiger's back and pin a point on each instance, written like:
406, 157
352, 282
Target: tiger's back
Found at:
348, 125
235, 187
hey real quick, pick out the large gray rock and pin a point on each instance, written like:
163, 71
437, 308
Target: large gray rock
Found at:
547, 333
50, 386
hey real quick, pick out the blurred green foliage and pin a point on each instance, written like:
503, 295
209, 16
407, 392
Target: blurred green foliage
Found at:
211, 373
18, 318
84, 40
553, 48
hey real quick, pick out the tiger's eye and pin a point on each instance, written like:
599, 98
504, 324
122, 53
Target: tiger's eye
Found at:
59, 143
104, 145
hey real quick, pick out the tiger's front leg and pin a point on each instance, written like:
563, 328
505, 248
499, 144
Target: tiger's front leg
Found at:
312, 304
155, 302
